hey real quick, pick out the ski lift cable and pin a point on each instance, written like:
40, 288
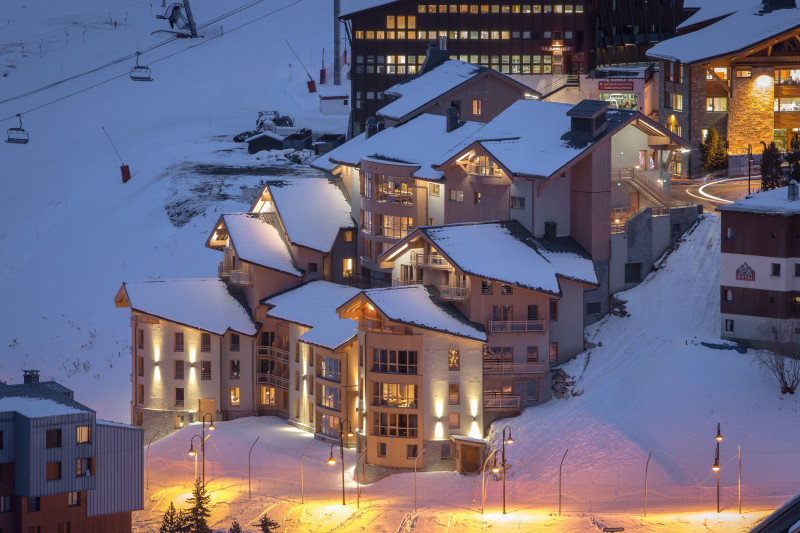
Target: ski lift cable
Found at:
124, 74
126, 58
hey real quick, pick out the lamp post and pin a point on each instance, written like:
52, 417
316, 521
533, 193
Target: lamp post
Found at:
508, 440
483, 472
202, 438
331, 460
715, 468
749, 165
415, 479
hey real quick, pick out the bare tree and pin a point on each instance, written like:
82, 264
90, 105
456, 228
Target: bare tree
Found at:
781, 358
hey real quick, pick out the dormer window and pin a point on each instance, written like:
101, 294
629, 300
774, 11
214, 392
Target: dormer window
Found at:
485, 166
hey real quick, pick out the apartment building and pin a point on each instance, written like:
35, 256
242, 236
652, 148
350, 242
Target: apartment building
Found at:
735, 70
760, 268
584, 173
60, 467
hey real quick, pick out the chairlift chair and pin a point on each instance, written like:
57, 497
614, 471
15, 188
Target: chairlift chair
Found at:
18, 135
140, 72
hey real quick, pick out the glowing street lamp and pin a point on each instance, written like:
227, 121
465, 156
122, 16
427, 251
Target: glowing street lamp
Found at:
202, 438
508, 440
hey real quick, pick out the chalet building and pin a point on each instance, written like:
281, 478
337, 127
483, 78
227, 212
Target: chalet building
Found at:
477, 93
193, 340
734, 69
60, 467
760, 268
584, 175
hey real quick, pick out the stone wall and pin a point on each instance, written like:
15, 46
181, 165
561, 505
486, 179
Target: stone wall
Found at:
751, 116
161, 423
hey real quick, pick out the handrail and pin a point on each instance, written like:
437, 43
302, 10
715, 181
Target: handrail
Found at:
516, 326
506, 367
500, 401
272, 351
447, 292
271, 379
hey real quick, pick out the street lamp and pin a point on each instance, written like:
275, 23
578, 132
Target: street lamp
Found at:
749, 165
202, 438
508, 440
716, 467
331, 460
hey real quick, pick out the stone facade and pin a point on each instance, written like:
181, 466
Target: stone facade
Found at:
752, 114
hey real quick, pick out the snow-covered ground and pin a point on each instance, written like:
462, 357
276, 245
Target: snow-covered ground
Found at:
71, 232
648, 386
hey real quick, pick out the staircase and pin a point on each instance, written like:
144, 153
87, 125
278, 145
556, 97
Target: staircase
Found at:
569, 80
644, 185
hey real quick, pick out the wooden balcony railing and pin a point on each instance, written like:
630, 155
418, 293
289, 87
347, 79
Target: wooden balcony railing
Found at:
224, 270
274, 352
453, 294
504, 367
240, 277
429, 260
516, 326
271, 379
500, 401
404, 282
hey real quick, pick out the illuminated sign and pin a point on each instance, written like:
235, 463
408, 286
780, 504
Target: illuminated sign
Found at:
606, 85
745, 273
556, 48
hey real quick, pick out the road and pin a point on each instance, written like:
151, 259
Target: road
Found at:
715, 193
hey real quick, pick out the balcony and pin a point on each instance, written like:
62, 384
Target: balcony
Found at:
273, 380
453, 294
392, 232
405, 282
506, 367
240, 277
273, 352
429, 260
224, 270
516, 326
500, 401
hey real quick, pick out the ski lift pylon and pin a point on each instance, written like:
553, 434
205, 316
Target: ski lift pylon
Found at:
140, 72
18, 135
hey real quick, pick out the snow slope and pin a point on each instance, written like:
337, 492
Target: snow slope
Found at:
70, 231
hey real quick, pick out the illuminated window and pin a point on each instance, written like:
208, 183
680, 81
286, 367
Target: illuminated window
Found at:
434, 189
83, 434
390, 22
234, 395
205, 370
394, 395
394, 425
82, 466
677, 102
74, 499
744, 73
578, 9
717, 104
713, 74
235, 374
347, 266
456, 196
454, 360
454, 421
477, 107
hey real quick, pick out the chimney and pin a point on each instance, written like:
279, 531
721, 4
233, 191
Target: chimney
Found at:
791, 191
588, 120
550, 231
30, 376
372, 127
452, 119
435, 56
381, 126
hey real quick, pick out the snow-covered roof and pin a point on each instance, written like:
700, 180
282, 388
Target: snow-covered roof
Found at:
420, 142
733, 34
492, 251
314, 305
712, 9
259, 242
203, 303
270, 134
413, 305
354, 6
101, 422
569, 259
530, 138
37, 407
417, 91
773, 202
312, 210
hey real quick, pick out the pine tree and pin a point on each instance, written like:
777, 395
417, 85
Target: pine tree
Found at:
770, 167
235, 527
172, 521
704, 150
712, 151
719, 154
268, 525
792, 157
198, 512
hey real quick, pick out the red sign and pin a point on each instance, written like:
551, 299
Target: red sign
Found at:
745, 273
556, 48
605, 85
